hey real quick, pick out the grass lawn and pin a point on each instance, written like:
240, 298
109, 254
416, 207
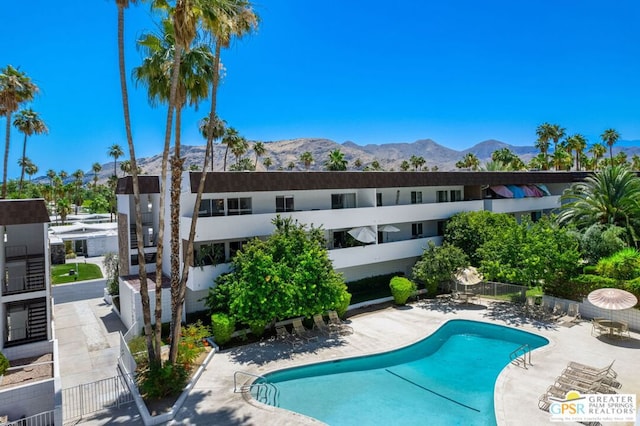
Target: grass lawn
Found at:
83, 271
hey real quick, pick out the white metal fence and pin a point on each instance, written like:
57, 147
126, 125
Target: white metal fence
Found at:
46, 418
91, 397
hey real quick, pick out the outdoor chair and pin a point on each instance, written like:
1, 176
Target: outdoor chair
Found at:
608, 370
531, 309
558, 311
320, 325
622, 331
567, 384
300, 330
336, 323
591, 378
283, 335
573, 314
598, 329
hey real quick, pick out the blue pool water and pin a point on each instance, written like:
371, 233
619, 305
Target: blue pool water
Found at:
444, 379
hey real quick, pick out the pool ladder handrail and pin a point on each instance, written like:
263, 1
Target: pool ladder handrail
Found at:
264, 389
523, 351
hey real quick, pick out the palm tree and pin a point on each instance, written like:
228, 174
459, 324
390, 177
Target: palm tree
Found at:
31, 169
291, 165
635, 162
95, 168
307, 159
598, 150
544, 132
16, 88
562, 159
142, 266
259, 149
218, 129
609, 197
231, 138
336, 161
78, 176
116, 152
576, 143
125, 166
417, 162
239, 148
405, 166
267, 162
610, 137
357, 163
556, 133
29, 123
469, 161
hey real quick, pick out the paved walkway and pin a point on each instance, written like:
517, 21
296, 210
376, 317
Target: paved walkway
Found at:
212, 401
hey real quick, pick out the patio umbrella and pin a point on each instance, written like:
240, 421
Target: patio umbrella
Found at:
468, 276
364, 234
502, 191
388, 228
613, 299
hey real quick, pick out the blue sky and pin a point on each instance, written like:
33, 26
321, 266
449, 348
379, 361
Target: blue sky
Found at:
458, 72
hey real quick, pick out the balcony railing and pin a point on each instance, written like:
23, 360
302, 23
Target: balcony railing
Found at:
26, 283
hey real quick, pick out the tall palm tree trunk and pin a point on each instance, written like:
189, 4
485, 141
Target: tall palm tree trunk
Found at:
24, 154
176, 175
6, 155
188, 258
142, 265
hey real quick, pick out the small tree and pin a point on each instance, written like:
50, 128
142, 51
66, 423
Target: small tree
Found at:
401, 289
287, 275
438, 264
112, 268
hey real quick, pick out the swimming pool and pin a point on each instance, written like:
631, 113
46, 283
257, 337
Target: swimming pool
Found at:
445, 379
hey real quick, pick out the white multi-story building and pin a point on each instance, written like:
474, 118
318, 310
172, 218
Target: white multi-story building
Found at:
398, 211
26, 311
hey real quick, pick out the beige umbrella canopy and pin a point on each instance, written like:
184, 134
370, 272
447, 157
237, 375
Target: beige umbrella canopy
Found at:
613, 299
468, 276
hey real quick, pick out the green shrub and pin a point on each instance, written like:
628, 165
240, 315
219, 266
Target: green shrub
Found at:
4, 364
159, 381
223, 327
633, 286
589, 270
401, 289
257, 327
191, 345
138, 348
343, 305
623, 265
578, 287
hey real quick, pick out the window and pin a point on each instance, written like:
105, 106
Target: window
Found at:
343, 201
234, 246
442, 224
536, 216
213, 207
284, 203
238, 206
442, 196
379, 199
208, 254
416, 230
455, 195
416, 197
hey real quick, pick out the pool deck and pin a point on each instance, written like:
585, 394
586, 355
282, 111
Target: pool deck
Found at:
213, 401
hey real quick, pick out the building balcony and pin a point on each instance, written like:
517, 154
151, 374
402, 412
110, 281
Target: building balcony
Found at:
377, 253
218, 228
515, 205
24, 284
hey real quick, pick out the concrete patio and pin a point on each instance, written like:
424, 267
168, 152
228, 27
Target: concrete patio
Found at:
213, 401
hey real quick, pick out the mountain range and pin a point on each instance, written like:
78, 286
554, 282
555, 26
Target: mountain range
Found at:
389, 155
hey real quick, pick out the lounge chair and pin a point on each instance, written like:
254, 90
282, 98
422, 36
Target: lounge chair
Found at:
320, 325
608, 370
573, 314
558, 311
300, 330
336, 323
591, 378
284, 335
566, 384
